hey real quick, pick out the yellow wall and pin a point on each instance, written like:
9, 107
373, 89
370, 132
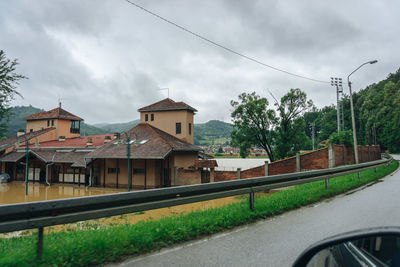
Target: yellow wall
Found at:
37, 125
62, 127
166, 121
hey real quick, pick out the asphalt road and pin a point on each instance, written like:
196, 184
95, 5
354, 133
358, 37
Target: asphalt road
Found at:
278, 241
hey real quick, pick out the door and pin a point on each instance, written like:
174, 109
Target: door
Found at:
205, 176
167, 177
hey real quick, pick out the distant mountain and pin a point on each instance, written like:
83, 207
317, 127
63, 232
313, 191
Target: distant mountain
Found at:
16, 122
117, 127
212, 133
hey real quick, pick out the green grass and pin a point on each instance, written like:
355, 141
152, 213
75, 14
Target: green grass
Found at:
91, 247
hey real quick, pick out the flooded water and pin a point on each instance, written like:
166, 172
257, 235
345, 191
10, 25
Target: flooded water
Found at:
14, 192
234, 163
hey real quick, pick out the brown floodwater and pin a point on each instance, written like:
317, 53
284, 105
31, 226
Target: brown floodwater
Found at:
14, 192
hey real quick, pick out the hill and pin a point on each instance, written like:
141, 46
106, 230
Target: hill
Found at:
209, 133
16, 122
212, 132
117, 127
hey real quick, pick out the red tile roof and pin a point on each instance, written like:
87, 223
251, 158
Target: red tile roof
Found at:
165, 105
97, 140
152, 143
11, 141
57, 113
206, 163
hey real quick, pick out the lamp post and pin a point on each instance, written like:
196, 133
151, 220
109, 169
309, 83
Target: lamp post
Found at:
128, 154
27, 162
353, 122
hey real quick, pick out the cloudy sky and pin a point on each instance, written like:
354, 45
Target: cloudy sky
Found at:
105, 59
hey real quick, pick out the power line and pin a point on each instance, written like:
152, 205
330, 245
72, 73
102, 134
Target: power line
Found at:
223, 47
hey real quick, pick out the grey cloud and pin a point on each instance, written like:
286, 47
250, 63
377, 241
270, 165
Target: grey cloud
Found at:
108, 58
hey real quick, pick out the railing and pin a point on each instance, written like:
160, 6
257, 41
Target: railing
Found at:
40, 214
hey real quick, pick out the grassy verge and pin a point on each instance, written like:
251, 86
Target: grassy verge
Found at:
82, 248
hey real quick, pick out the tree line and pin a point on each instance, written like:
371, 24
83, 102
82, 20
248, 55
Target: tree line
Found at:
285, 127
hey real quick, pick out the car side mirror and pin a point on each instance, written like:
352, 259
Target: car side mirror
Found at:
369, 247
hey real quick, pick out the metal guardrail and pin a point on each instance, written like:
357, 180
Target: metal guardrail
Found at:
40, 214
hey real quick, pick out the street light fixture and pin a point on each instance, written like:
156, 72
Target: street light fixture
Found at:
353, 122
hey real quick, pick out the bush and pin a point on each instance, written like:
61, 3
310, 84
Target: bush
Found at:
342, 138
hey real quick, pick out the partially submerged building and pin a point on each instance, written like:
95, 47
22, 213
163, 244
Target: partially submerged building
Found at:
161, 150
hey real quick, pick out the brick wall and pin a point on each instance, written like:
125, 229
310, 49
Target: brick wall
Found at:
188, 176
225, 175
315, 160
287, 165
253, 172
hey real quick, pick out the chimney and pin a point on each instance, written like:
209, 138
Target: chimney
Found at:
116, 135
89, 142
107, 139
20, 132
61, 138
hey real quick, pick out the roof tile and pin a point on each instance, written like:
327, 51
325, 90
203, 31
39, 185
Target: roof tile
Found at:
167, 104
57, 113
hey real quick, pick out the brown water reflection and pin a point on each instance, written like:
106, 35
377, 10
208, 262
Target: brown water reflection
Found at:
15, 193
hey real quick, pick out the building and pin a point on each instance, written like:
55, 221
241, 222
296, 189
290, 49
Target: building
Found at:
161, 150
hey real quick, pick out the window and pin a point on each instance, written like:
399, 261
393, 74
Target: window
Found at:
139, 171
52, 122
190, 128
48, 123
152, 117
146, 117
112, 170
75, 127
178, 128
30, 130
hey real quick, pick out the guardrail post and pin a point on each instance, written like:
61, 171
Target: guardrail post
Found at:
376, 170
238, 173
359, 175
251, 199
266, 168
39, 250
326, 183
298, 162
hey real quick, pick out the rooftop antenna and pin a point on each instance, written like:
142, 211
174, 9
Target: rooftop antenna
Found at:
166, 88
59, 101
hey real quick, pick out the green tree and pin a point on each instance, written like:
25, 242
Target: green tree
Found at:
290, 130
253, 124
8, 84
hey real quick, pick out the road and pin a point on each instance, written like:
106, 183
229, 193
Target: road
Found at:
279, 240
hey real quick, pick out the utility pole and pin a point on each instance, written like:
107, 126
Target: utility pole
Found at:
353, 121
339, 89
313, 134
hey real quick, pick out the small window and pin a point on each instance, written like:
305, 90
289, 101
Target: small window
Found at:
139, 171
152, 117
146, 117
190, 128
178, 128
52, 122
112, 170
31, 130
48, 123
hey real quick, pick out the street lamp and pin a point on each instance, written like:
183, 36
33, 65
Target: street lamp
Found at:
27, 161
128, 154
353, 122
